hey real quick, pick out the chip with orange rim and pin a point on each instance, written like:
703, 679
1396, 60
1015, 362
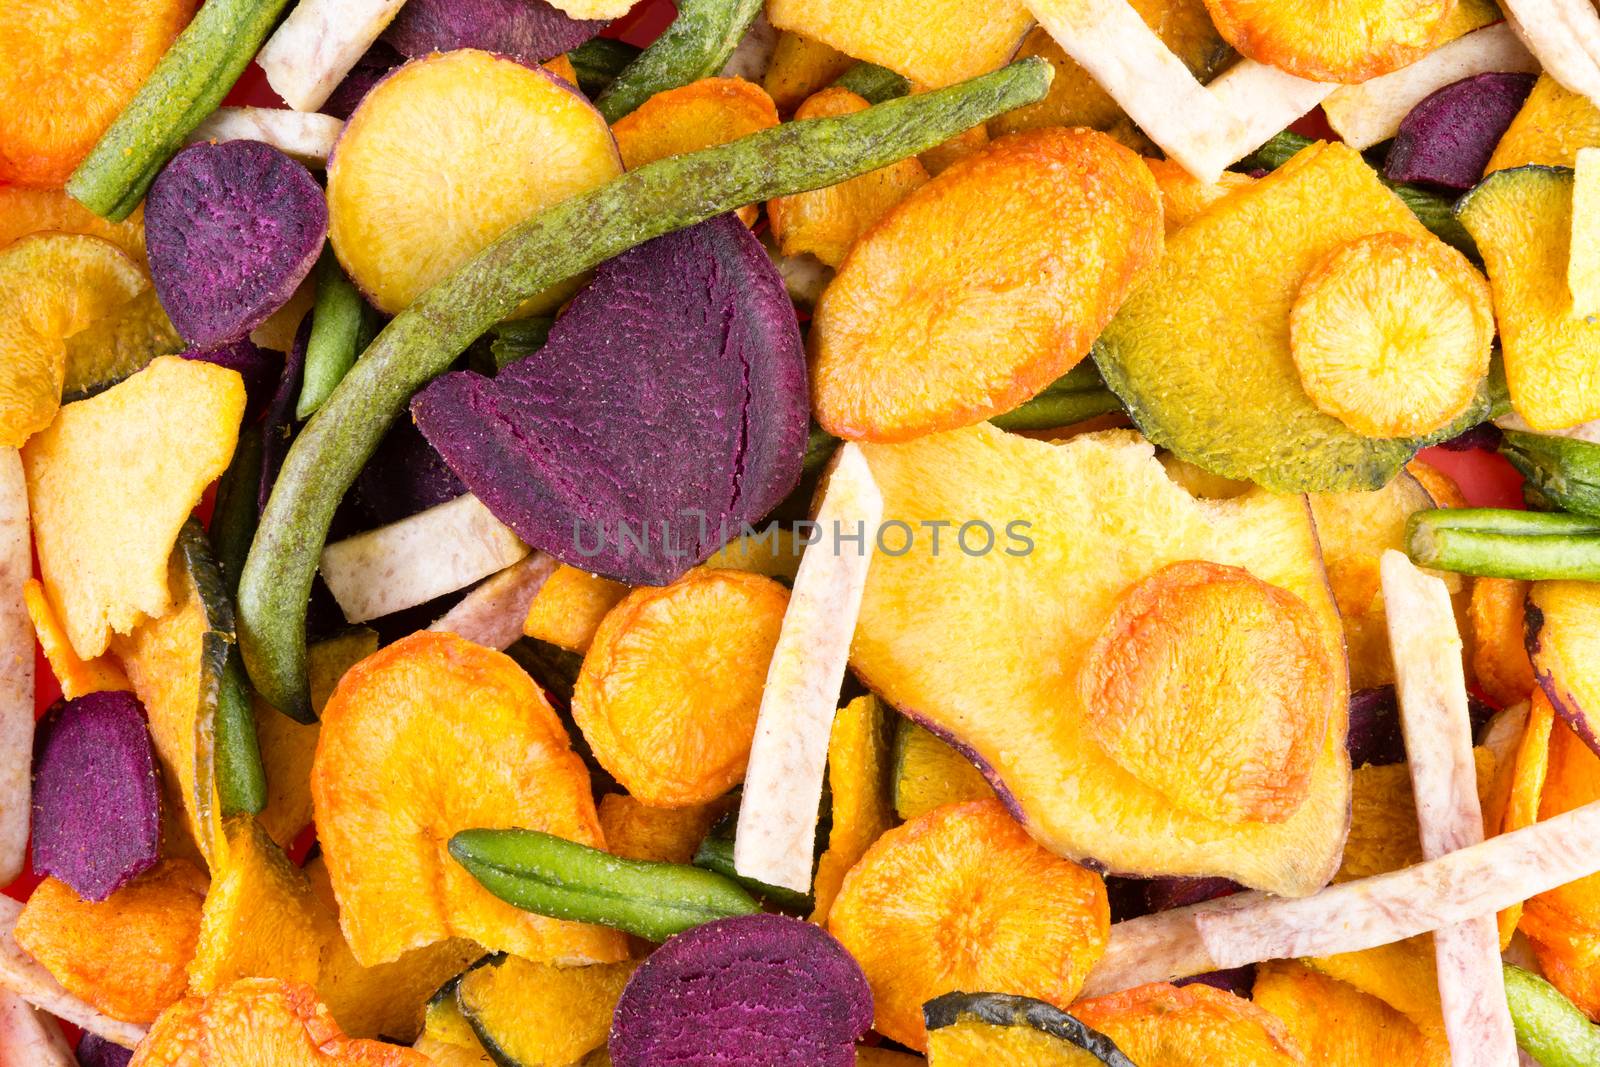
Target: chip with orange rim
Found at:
1342, 41
1190, 1026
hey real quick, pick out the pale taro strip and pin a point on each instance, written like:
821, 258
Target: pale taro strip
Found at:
492, 614
309, 54
303, 135
1565, 37
22, 975
29, 1037
1251, 927
776, 836
1265, 100
1365, 114
16, 668
1431, 684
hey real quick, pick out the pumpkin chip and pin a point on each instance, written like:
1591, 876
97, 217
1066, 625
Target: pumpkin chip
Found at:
858, 780
76, 676
1337, 1025
1190, 1026
638, 831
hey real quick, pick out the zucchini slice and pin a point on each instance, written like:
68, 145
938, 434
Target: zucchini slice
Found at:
975, 1029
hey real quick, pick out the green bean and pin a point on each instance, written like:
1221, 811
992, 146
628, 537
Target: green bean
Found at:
1563, 470
695, 46
341, 326
873, 83
1549, 1026
715, 854
598, 62
233, 518
1506, 544
241, 779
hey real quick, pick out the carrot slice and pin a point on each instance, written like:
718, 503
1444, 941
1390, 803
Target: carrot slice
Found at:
75, 675
1337, 1025
426, 737
1343, 41
24, 211
1528, 772
669, 692
66, 70
1499, 645
1191, 1026
827, 222
708, 112
962, 898
485, 142
569, 607
1391, 334
1004, 268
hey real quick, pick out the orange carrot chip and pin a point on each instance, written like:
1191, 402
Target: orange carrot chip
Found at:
1526, 787
1337, 1025
24, 211
1190, 1026
567, 609
858, 780
1343, 41
1566, 920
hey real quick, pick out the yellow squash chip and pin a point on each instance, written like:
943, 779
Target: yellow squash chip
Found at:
1552, 127
858, 778
77, 676
932, 42
1337, 1025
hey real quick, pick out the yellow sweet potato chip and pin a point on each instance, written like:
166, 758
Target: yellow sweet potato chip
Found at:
1553, 125
858, 778
24, 211
1583, 259
1337, 1025
77, 676
567, 609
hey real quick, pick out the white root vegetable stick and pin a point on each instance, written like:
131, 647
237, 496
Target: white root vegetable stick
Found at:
16, 668
30, 1038
1565, 36
307, 57
1265, 100
753, 55
1126, 57
410, 562
492, 614
22, 975
305, 135
775, 839
1252, 927
1370, 112
1431, 684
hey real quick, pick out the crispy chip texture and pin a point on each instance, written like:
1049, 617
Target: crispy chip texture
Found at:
1552, 126
261, 1021
704, 113
1567, 919
983, 286
77, 676
1337, 1025
428, 736
1525, 787
67, 68
962, 898
1184, 197
1333, 40
1498, 630
567, 609
1192, 1026
540, 1015
858, 780
667, 835
930, 772
24, 211
127, 954
104, 530
801, 67
1213, 688
669, 691
932, 42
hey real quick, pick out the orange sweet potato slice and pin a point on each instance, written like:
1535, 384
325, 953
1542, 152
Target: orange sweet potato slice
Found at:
704, 113
668, 694
77, 676
1528, 771
173, 426
127, 954
826, 222
1343, 41
568, 608
1214, 688
67, 68
1184, 197
858, 780
666, 835
1190, 1026
1003, 270
428, 736
962, 898
1567, 920
24, 211
1391, 334
261, 1021
800, 67
1337, 1025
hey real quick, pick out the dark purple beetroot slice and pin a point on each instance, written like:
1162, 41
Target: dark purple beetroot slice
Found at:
96, 1051
753, 991
527, 29
277, 432
669, 405
1375, 736
1236, 980
369, 70
1448, 137
96, 794
259, 367
1164, 894
404, 476
231, 229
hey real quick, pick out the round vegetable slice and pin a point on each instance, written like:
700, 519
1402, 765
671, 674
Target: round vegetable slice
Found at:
1332, 40
445, 155
974, 1029
66, 70
1190, 1026
752, 991
982, 287
1214, 688
52, 285
708, 112
1447, 139
1391, 334
671, 685
232, 230
527, 29
535, 1013
428, 736
963, 898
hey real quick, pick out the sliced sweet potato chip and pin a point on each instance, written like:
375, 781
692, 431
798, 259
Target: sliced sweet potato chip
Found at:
800, 67
1552, 127
173, 426
962, 898
669, 691
826, 222
1184, 197
666, 835
265, 1021
929, 773
127, 954
1213, 688
1526, 788
1567, 919
52, 285
1391, 334
50, 58
1383, 823
569, 607
77, 676
1562, 640
933, 43
1499, 651
24, 211
1337, 1025
1347, 41
1004, 293
704, 113
478, 746
858, 780
1192, 1026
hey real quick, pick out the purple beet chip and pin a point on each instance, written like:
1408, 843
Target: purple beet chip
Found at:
259, 367
96, 794
369, 70
231, 229
669, 406
1447, 139
96, 1051
1375, 735
754, 991
404, 476
278, 430
530, 30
